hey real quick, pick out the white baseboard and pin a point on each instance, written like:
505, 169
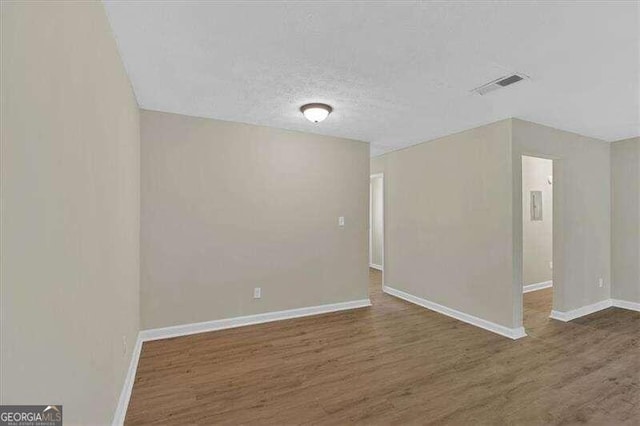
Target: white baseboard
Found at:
512, 333
187, 329
625, 304
595, 307
374, 266
127, 387
537, 286
202, 327
580, 312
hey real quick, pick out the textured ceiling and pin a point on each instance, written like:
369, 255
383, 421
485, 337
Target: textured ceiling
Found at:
396, 73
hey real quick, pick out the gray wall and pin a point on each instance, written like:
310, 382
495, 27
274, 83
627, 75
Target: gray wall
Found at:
537, 235
227, 207
625, 220
581, 199
448, 221
70, 210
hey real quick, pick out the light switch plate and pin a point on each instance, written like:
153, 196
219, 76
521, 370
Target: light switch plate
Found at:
341, 221
257, 293
536, 205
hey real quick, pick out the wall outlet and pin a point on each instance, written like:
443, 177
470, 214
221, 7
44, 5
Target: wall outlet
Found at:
257, 293
341, 221
600, 282
124, 345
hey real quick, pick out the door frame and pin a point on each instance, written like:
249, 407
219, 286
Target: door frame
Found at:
371, 264
556, 230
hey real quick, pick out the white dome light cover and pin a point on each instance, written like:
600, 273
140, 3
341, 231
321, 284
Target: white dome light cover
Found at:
315, 113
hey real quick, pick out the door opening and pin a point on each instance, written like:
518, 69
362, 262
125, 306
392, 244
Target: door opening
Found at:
537, 239
376, 222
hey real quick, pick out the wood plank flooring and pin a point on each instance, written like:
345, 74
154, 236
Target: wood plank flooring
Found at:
396, 363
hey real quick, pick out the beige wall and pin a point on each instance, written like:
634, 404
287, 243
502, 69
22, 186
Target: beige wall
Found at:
376, 221
581, 218
448, 229
454, 235
625, 220
227, 207
537, 235
70, 210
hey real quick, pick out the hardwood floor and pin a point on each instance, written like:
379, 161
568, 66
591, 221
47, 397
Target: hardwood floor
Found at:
396, 363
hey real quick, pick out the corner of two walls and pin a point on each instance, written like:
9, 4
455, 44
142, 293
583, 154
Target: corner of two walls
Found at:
224, 207
96, 235
453, 235
448, 231
625, 220
228, 207
581, 218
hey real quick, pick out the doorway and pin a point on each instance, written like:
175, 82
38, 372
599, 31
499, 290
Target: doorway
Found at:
376, 222
537, 240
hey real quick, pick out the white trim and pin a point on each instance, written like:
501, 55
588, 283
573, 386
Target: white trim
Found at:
512, 333
202, 327
371, 264
594, 307
186, 329
537, 286
580, 312
625, 304
127, 387
370, 221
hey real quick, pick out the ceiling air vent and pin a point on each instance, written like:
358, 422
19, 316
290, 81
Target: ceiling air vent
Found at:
499, 83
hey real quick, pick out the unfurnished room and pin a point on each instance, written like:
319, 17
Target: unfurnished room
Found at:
320, 212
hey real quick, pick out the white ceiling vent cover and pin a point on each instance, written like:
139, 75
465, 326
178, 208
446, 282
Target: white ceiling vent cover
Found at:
500, 83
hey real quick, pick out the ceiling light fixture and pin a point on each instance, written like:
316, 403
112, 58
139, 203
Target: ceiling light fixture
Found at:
315, 113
